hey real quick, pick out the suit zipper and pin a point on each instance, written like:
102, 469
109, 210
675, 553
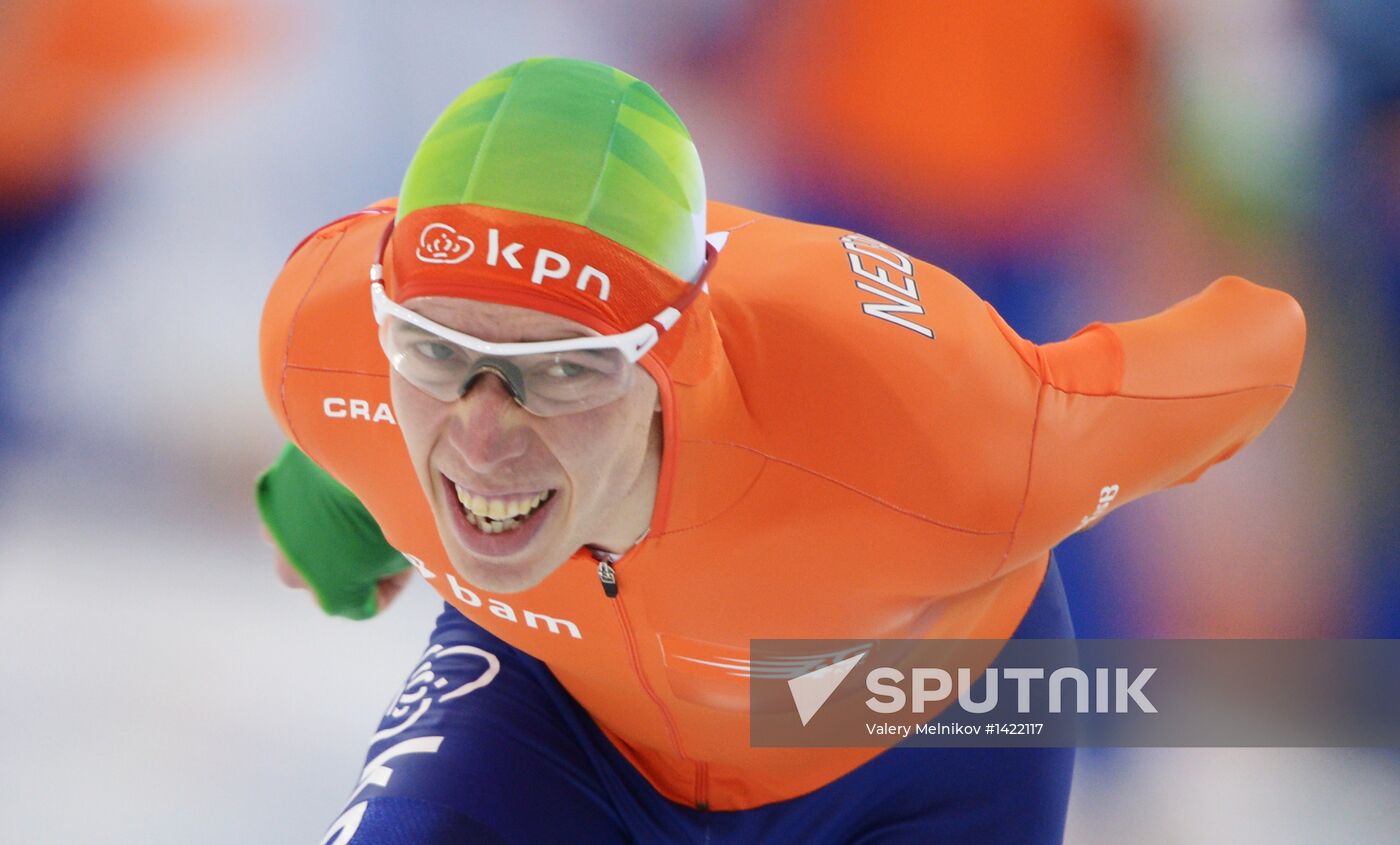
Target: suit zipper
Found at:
607, 577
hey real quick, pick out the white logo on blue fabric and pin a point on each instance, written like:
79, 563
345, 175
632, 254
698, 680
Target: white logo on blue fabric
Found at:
377, 772
424, 687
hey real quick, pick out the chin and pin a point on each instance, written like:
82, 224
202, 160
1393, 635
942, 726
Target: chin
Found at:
499, 578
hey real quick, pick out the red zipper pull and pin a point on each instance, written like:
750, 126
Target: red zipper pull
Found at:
607, 575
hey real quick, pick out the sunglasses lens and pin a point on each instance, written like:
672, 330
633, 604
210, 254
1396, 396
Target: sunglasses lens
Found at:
547, 383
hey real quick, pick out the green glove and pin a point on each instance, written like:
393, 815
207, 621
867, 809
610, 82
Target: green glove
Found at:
326, 534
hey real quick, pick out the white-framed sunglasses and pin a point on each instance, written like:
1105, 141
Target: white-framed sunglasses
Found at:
547, 377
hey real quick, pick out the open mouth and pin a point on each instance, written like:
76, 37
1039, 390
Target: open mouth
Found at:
498, 515
500, 525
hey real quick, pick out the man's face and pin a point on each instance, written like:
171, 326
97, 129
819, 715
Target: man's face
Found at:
572, 480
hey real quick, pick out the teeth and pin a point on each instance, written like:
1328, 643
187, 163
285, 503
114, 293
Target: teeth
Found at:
493, 516
520, 507
491, 526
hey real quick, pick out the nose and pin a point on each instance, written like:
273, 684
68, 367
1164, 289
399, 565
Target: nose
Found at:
489, 429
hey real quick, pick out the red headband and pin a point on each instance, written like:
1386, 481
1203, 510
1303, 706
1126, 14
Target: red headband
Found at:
513, 258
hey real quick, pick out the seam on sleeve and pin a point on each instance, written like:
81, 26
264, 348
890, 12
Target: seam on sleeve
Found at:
335, 370
1030, 469
851, 488
291, 332
1093, 366
1122, 356
323, 233
1007, 334
1218, 393
726, 509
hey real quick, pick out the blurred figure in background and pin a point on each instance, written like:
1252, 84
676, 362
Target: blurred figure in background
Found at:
994, 136
1354, 229
69, 66
1237, 96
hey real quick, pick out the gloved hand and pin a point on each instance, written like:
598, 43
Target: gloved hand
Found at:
327, 541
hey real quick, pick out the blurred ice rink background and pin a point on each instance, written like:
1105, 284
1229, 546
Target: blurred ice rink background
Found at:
1071, 161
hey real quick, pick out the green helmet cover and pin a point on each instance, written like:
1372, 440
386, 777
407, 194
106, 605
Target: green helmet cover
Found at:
574, 141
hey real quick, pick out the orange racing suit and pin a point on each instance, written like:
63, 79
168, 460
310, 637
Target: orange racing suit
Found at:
855, 445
